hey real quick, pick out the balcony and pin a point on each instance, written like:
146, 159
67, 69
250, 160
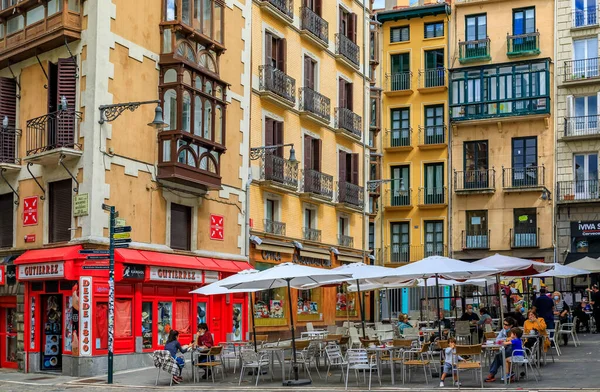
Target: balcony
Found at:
315, 106
581, 70
281, 9
404, 253
53, 135
523, 44
279, 173
581, 191
310, 234
348, 123
9, 160
346, 241
350, 195
474, 181
398, 84
475, 239
398, 139
276, 86
317, 185
314, 27
274, 227
524, 238
474, 51
433, 197
34, 32
347, 51
585, 17
517, 179
432, 136
582, 127
398, 198
432, 80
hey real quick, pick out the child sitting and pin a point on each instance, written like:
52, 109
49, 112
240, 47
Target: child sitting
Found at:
517, 349
448, 362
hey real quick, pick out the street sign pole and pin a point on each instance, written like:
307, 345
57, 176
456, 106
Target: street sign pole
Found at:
111, 294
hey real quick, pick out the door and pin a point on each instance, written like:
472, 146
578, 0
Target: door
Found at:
476, 165
434, 68
476, 230
434, 183
525, 235
586, 115
400, 186
476, 31
400, 249
51, 344
434, 238
8, 336
400, 132
585, 169
523, 24
586, 58
400, 70
524, 162
434, 124
215, 317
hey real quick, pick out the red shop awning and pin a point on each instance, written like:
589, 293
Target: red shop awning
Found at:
64, 253
172, 260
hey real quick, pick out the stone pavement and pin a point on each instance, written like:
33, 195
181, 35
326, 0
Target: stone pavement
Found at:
577, 369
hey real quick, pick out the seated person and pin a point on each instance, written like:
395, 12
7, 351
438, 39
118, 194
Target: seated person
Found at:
203, 342
173, 347
517, 349
403, 323
497, 362
507, 325
583, 319
444, 323
537, 325
470, 316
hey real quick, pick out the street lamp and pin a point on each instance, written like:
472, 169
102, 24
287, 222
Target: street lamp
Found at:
109, 113
374, 184
260, 152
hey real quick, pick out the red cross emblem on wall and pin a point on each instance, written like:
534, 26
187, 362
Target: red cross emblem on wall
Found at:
30, 211
216, 227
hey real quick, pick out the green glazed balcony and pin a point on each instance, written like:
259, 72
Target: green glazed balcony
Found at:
474, 51
523, 44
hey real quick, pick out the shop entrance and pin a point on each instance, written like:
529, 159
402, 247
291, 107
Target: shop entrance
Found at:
8, 333
51, 325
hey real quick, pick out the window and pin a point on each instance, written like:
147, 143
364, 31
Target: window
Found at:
170, 10
312, 153
523, 21
348, 24
476, 165
61, 196
585, 169
400, 127
63, 83
348, 167
400, 242
434, 238
400, 34
310, 218
204, 16
476, 235
8, 109
345, 304
165, 321
525, 230
524, 162
400, 176
273, 159
434, 125
371, 236
345, 94
374, 112
14, 24
54, 6
314, 5
309, 302
147, 325
476, 27
275, 52
183, 322
585, 54
181, 227
1, 30
343, 226
270, 304
34, 15
582, 114
434, 68
585, 13
272, 218
123, 325
435, 29
434, 183
7, 209
400, 71
310, 69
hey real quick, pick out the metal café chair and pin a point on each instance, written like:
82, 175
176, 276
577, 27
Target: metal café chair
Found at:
359, 359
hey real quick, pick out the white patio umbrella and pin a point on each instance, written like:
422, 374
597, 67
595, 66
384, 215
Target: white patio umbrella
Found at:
288, 275
562, 271
451, 282
587, 263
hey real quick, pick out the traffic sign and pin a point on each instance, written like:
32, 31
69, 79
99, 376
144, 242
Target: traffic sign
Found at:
105, 257
95, 267
93, 251
106, 207
121, 246
123, 241
121, 236
122, 229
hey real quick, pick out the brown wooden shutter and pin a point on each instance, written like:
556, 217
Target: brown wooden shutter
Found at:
6, 223
317, 148
268, 49
318, 7
341, 21
355, 164
342, 92
342, 168
8, 108
308, 147
354, 27
278, 137
349, 96
52, 87
281, 52
181, 227
269, 125
61, 196
66, 87
307, 66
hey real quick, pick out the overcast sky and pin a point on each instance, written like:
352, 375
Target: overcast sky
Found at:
379, 3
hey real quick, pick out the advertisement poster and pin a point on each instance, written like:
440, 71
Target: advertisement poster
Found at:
276, 310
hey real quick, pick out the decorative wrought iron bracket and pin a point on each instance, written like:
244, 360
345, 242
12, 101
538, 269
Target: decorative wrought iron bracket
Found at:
16, 80
72, 58
259, 152
374, 184
10, 186
110, 113
60, 161
43, 69
42, 197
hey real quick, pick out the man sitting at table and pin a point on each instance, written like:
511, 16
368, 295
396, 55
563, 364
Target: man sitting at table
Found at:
444, 323
583, 319
501, 339
470, 316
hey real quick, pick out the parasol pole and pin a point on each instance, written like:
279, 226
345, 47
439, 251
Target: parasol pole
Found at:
253, 320
295, 381
426, 301
437, 294
362, 310
387, 293
500, 297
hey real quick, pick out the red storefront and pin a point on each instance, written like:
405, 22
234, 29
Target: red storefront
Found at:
66, 306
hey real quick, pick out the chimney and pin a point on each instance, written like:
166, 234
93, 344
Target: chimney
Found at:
391, 4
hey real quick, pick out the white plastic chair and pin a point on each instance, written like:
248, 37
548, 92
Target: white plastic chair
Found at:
358, 359
568, 329
354, 338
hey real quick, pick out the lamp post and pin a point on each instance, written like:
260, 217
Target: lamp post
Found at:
109, 113
260, 152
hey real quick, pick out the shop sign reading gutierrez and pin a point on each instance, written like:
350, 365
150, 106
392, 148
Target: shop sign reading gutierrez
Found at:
41, 271
175, 275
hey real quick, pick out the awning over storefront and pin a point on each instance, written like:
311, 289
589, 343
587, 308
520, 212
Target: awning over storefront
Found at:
350, 257
314, 252
50, 254
275, 246
144, 257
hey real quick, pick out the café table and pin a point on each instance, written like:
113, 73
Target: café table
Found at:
314, 334
494, 346
279, 352
378, 350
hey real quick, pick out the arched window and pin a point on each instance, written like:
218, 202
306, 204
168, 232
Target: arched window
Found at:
207, 120
198, 83
187, 112
185, 50
170, 104
170, 76
186, 156
208, 88
208, 163
206, 61
218, 124
198, 116
187, 78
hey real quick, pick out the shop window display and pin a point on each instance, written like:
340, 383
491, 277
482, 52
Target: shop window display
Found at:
201, 312
123, 318
182, 317
165, 320
237, 322
269, 303
345, 304
147, 325
309, 304
101, 325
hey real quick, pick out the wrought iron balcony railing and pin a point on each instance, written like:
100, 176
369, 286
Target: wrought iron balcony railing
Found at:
433, 195
349, 121
476, 239
432, 77
475, 50
314, 24
286, 7
280, 170
404, 253
527, 237
474, 180
349, 193
347, 241
8, 145
317, 183
523, 177
581, 190
311, 234
53, 130
523, 44
432, 134
318, 104
348, 49
274, 227
582, 126
398, 137
397, 196
277, 82
587, 16
399, 81
574, 70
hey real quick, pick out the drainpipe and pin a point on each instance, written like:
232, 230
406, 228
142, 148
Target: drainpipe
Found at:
554, 145
366, 123
449, 164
